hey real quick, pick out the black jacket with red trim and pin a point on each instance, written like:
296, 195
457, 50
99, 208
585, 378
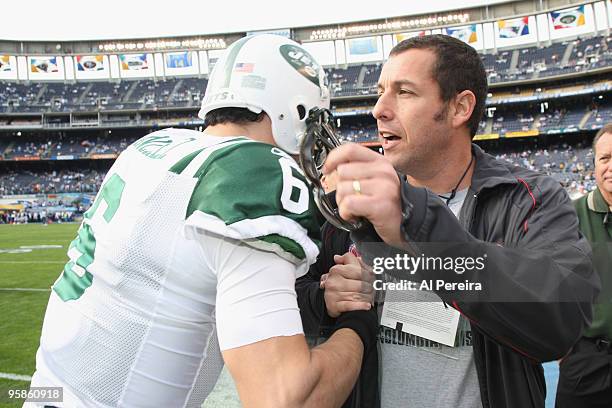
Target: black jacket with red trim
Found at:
538, 285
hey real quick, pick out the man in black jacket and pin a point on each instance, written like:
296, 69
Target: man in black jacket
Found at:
538, 284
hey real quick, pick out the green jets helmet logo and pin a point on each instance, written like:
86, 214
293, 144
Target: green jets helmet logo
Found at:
302, 62
569, 19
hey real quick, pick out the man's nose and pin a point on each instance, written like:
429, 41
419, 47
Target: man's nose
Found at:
382, 110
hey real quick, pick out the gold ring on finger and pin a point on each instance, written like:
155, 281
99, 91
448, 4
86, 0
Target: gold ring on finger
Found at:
357, 187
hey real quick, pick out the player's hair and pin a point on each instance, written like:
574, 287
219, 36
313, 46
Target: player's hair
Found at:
605, 129
239, 116
458, 67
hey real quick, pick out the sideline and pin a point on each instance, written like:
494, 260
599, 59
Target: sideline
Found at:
16, 377
24, 290
33, 262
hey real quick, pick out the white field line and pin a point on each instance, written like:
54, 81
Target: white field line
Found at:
33, 262
24, 290
16, 377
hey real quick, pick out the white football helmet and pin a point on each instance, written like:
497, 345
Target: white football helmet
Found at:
273, 74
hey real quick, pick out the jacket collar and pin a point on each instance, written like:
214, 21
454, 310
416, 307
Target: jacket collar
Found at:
489, 172
596, 202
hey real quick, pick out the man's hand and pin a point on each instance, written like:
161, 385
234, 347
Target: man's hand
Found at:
348, 285
378, 198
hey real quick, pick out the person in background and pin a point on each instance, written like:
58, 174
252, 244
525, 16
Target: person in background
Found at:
585, 375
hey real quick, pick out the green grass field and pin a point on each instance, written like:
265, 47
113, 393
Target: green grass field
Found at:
22, 308
25, 280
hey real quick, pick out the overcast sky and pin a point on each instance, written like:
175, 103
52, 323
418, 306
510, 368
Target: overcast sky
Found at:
62, 20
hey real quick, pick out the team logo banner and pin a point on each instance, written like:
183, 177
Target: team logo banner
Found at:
43, 65
466, 34
513, 28
5, 63
568, 18
178, 60
134, 62
404, 36
363, 46
90, 63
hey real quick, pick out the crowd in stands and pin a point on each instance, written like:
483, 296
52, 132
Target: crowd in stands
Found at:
41, 216
45, 209
85, 96
570, 165
62, 145
46, 182
547, 59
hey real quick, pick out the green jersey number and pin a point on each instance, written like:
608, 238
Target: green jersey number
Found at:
75, 278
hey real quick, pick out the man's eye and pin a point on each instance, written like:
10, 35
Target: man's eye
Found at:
405, 92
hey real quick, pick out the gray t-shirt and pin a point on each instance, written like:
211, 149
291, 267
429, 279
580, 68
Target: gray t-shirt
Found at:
417, 372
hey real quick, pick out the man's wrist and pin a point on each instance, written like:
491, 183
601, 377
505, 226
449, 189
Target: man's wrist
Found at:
362, 322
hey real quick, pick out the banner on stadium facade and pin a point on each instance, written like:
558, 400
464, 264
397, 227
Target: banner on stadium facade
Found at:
568, 18
404, 36
284, 32
181, 63
487, 136
26, 158
90, 63
363, 46
466, 34
179, 60
133, 62
44, 65
513, 28
104, 156
5, 63
11, 207
363, 49
527, 133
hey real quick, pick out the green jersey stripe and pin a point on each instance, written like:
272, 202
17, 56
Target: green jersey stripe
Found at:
194, 169
179, 166
287, 244
274, 233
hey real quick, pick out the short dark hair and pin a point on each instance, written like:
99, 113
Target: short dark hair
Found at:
238, 116
605, 129
458, 67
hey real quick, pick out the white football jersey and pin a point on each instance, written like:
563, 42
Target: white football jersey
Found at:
131, 320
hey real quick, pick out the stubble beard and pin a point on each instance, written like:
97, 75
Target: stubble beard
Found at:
422, 162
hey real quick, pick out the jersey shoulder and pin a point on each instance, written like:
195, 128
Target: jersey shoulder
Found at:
168, 144
256, 193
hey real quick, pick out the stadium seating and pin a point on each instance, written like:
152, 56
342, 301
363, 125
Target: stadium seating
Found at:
352, 80
599, 117
570, 165
142, 102
45, 182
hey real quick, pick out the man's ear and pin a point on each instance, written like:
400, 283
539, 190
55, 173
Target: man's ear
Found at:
464, 104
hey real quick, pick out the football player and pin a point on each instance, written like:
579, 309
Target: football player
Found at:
190, 252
